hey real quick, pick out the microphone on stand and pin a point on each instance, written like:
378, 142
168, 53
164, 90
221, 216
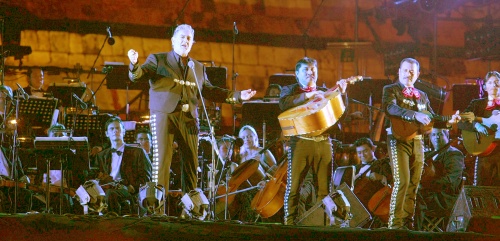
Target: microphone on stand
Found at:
22, 93
111, 40
235, 29
191, 64
82, 104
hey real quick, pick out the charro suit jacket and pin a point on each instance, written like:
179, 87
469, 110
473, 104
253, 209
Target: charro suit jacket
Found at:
135, 168
167, 83
394, 103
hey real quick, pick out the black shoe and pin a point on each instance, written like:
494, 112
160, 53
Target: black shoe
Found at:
410, 224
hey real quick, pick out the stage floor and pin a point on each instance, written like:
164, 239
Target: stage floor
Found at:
86, 227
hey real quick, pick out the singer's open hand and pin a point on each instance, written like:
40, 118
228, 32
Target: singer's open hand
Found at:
342, 85
133, 56
247, 94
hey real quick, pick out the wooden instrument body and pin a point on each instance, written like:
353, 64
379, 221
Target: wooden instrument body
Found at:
407, 130
313, 117
364, 189
379, 203
477, 144
317, 115
242, 173
269, 200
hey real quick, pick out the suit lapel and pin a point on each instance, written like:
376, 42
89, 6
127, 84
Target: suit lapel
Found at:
173, 64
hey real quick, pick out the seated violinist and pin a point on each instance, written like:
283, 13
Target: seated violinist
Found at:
122, 168
440, 185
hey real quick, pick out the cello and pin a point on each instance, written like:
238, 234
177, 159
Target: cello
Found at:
379, 203
269, 200
242, 173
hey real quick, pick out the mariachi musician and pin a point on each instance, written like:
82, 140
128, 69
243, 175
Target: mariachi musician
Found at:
488, 167
403, 103
122, 168
306, 151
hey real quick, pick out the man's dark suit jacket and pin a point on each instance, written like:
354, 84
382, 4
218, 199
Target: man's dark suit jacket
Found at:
164, 75
379, 166
135, 168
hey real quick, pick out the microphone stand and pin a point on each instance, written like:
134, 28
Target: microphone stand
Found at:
213, 142
234, 76
365, 104
92, 69
15, 154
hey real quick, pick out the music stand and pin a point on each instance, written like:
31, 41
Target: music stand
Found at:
118, 79
262, 116
37, 114
88, 125
52, 146
64, 92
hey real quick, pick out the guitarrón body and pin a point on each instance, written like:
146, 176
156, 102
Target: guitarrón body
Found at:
315, 116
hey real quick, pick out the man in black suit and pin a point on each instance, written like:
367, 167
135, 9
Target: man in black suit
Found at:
176, 80
122, 168
401, 100
36, 79
374, 169
439, 189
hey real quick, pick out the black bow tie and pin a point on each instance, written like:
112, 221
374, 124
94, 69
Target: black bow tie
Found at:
119, 153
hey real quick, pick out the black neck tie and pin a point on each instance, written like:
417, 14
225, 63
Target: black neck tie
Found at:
119, 153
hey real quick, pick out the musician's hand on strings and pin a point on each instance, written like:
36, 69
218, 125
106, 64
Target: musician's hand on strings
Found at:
468, 116
247, 94
480, 128
455, 118
342, 85
315, 95
422, 118
133, 56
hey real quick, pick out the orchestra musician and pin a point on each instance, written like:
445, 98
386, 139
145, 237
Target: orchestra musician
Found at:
377, 170
403, 101
488, 167
372, 175
122, 168
6, 170
176, 80
36, 80
440, 186
251, 149
143, 137
306, 151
